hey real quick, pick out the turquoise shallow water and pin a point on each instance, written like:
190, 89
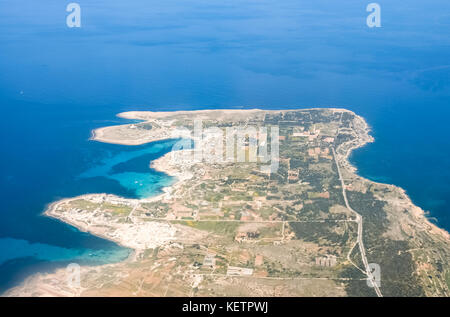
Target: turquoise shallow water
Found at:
131, 169
92, 167
57, 84
43, 252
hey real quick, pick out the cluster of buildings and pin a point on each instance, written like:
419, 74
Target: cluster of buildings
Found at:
311, 135
209, 261
240, 271
327, 261
249, 235
317, 152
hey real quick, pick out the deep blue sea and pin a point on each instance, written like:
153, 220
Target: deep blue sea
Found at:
58, 83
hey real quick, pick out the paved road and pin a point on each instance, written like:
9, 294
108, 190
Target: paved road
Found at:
359, 220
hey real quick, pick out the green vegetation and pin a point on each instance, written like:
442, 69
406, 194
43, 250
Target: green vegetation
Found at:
216, 227
334, 233
117, 209
83, 205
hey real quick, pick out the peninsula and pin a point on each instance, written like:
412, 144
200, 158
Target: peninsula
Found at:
301, 223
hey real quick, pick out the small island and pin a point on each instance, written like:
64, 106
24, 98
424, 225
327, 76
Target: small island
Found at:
310, 227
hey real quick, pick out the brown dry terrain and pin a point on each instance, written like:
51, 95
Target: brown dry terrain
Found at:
308, 228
